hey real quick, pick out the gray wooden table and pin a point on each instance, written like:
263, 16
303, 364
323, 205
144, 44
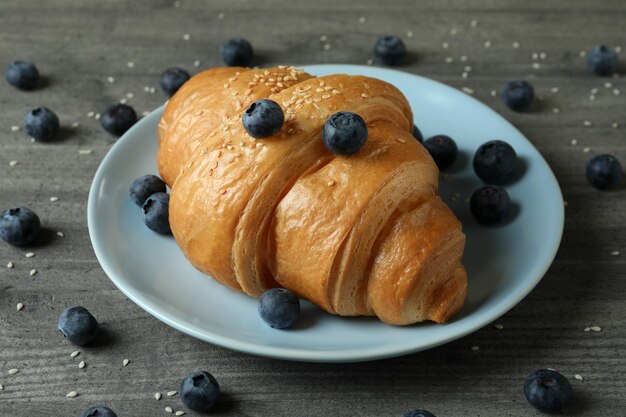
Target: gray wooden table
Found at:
78, 44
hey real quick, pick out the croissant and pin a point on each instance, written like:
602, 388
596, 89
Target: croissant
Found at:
364, 234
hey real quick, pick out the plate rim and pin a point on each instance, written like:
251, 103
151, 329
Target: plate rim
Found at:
308, 355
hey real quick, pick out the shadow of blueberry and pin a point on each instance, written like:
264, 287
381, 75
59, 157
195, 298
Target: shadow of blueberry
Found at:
461, 161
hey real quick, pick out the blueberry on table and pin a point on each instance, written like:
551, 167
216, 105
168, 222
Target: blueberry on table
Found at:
344, 133
263, 118
417, 134
118, 118
419, 413
156, 213
517, 95
78, 325
99, 411
547, 390
237, 52
144, 187
443, 149
172, 79
603, 171
389, 50
22, 74
490, 204
494, 162
199, 391
279, 308
602, 60
19, 226
42, 124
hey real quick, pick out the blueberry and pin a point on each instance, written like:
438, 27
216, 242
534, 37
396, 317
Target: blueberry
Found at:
279, 308
263, 118
118, 118
547, 390
22, 74
419, 413
603, 171
99, 411
344, 133
417, 134
602, 60
19, 226
443, 150
41, 124
490, 204
172, 79
237, 52
144, 187
517, 95
389, 50
156, 213
494, 162
78, 325
199, 391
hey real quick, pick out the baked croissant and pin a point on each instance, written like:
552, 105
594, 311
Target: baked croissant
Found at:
364, 234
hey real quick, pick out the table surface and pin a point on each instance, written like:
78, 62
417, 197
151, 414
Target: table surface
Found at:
77, 45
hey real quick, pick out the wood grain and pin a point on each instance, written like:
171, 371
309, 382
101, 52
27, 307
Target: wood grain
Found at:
78, 44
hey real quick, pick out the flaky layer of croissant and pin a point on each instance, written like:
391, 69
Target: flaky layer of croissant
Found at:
364, 234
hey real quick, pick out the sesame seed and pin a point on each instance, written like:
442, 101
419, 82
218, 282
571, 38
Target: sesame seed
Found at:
171, 393
445, 45
327, 47
565, 203
536, 65
157, 396
467, 90
111, 79
81, 365
10, 265
578, 377
515, 45
130, 64
464, 75
618, 49
125, 362
587, 329
15, 128
97, 116
60, 234
130, 95
615, 253
401, 140
463, 58
586, 123
616, 92
221, 16
582, 54
1, 387
75, 125
362, 19
71, 394
180, 413
608, 84
91, 114
556, 110
54, 199
13, 163
474, 348
586, 150
85, 151
542, 55
615, 125
13, 371
474, 23
168, 409
454, 31
186, 36
487, 44
594, 91
20, 306
29, 254
493, 93
364, 95
152, 91
331, 183
592, 97
554, 90
258, 145
196, 63
449, 60
123, 100
323, 38
595, 328
498, 326
33, 272
409, 34
75, 353
534, 56
574, 142
467, 68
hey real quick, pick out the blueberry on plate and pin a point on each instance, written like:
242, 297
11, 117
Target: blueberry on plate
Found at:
22, 74
389, 50
494, 162
344, 133
172, 79
19, 226
199, 391
118, 118
279, 308
144, 187
78, 325
419, 413
517, 95
490, 204
41, 124
156, 213
417, 134
602, 60
99, 411
443, 149
263, 118
237, 52
603, 171
547, 390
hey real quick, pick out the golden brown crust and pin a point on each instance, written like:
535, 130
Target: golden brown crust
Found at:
364, 234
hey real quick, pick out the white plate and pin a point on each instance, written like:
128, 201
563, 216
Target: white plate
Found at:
503, 263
